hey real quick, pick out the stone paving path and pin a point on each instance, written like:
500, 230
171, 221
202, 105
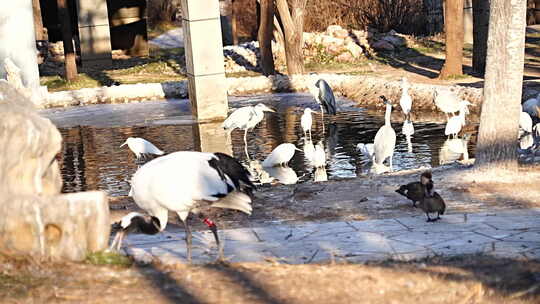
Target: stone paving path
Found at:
514, 233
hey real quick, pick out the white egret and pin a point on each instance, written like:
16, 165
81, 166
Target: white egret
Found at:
141, 147
323, 94
319, 156
309, 150
455, 123
447, 101
306, 121
367, 150
405, 101
280, 156
245, 118
185, 182
385, 140
525, 122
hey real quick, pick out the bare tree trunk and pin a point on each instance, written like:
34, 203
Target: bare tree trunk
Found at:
67, 37
499, 119
264, 36
480, 34
293, 29
453, 27
233, 22
38, 22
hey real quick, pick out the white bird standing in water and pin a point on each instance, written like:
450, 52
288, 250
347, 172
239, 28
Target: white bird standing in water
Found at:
306, 121
245, 118
319, 156
525, 122
141, 147
455, 123
185, 182
405, 101
367, 150
385, 139
280, 156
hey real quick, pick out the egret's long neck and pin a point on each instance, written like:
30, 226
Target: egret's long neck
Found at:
462, 114
387, 114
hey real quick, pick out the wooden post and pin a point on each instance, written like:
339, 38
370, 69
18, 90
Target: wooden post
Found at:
264, 36
67, 37
233, 23
38, 22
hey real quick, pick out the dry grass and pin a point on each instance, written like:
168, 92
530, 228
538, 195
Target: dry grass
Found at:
467, 279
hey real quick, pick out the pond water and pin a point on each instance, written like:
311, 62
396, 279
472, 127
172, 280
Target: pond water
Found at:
92, 159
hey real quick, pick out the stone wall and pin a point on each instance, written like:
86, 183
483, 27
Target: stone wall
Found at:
37, 220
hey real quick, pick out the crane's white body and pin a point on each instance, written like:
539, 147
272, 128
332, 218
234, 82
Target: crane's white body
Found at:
141, 146
366, 149
306, 122
385, 140
531, 106
405, 101
179, 182
281, 155
525, 122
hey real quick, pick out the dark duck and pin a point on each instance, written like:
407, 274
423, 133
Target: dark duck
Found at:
415, 190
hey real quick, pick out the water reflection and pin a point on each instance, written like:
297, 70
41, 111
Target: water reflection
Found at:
454, 149
91, 158
284, 175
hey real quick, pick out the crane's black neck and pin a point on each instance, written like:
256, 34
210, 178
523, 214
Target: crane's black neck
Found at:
145, 225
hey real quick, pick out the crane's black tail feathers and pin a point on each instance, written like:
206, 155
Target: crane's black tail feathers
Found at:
228, 166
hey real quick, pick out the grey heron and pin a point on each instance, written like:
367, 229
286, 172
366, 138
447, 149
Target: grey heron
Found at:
385, 139
141, 147
184, 182
246, 118
531, 106
323, 94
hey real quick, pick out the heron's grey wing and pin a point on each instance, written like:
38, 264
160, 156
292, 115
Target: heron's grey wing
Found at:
328, 100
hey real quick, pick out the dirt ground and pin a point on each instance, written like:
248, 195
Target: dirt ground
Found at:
370, 198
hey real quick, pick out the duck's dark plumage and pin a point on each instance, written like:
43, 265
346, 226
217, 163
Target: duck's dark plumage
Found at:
432, 202
415, 190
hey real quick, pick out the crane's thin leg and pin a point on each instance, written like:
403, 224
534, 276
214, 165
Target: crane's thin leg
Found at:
212, 226
391, 163
245, 144
188, 240
310, 139
322, 118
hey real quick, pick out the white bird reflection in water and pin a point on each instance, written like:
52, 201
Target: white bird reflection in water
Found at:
526, 141
258, 173
320, 174
309, 150
284, 175
454, 149
407, 129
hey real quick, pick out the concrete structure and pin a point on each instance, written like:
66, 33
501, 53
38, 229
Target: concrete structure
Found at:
94, 33
512, 234
210, 137
18, 40
204, 59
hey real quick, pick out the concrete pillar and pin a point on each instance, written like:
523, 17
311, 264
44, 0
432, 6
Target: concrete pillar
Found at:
210, 137
94, 34
467, 21
18, 40
204, 59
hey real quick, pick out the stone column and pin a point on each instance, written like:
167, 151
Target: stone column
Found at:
204, 59
94, 33
18, 40
210, 137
